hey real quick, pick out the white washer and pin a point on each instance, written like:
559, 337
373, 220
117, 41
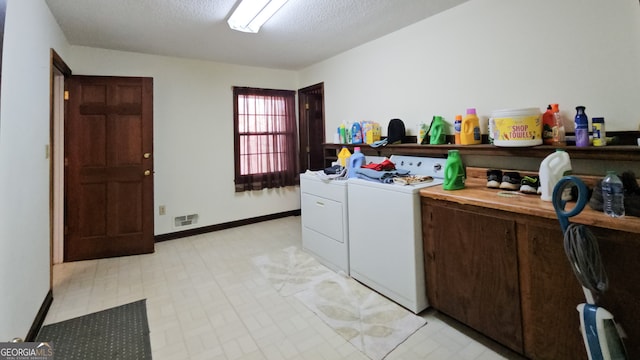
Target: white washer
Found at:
385, 233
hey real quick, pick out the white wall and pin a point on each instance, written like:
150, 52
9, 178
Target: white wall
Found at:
30, 32
193, 133
492, 54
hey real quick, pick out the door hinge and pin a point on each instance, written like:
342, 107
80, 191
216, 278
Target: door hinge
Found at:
308, 149
66, 230
66, 94
66, 161
306, 106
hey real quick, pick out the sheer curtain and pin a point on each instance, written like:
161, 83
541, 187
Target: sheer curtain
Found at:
265, 143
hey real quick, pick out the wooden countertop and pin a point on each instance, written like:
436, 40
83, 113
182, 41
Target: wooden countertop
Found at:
476, 193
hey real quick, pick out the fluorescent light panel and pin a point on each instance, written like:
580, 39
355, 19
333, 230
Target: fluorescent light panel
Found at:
250, 15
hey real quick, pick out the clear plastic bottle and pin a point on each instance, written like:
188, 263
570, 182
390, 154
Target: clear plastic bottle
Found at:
548, 123
558, 129
613, 195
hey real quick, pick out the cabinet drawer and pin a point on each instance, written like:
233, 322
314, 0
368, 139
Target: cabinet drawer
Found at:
323, 215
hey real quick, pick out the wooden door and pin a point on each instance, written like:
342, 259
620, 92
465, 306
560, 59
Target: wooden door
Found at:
108, 167
312, 134
549, 311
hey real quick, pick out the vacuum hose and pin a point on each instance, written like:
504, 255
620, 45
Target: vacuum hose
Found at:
581, 247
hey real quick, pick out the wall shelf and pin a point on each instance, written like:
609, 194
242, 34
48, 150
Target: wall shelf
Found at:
609, 152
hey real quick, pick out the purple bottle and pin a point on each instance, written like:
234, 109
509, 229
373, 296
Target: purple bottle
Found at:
582, 127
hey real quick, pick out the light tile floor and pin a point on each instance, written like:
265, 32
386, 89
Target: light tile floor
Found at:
206, 300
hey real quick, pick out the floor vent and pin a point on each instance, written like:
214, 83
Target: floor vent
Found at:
185, 220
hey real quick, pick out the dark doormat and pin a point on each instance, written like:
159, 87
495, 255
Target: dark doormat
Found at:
120, 333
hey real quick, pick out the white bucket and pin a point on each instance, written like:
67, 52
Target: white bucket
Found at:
516, 127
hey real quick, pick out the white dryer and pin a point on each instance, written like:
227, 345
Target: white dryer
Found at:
385, 233
325, 231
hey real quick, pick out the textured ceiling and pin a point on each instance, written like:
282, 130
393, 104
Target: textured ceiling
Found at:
302, 33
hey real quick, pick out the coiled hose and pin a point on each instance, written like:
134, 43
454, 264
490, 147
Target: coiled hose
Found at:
581, 247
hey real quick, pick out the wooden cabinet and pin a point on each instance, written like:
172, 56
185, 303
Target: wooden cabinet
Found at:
512, 267
550, 293
472, 270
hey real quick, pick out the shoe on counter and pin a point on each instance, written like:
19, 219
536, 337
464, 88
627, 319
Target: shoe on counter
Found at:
631, 193
494, 177
510, 181
529, 184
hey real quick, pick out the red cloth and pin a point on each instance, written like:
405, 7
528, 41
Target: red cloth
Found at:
386, 165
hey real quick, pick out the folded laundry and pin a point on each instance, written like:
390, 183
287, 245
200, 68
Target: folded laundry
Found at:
381, 176
332, 170
412, 179
323, 175
385, 165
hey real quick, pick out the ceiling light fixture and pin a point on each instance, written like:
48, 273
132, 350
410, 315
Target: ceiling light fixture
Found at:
251, 14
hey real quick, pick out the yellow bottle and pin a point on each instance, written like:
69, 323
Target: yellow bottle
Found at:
343, 156
470, 130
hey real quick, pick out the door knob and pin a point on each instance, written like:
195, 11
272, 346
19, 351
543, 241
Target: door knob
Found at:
147, 155
147, 172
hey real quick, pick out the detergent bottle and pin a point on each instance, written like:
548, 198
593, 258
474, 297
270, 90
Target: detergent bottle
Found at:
552, 169
356, 160
454, 172
436, 131
356, 133
457, 126
470, 132
422, 133
342, 134
343, 156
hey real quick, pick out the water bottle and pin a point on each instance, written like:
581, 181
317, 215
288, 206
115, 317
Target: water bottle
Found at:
613, 195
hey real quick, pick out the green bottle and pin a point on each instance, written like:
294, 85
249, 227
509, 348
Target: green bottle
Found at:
436, 131
454, 172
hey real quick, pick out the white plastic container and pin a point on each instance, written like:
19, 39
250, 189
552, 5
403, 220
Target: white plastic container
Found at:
516, 127
552, 169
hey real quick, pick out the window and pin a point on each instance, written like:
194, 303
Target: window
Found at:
265, 142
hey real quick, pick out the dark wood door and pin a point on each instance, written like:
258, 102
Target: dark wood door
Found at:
549, 309
316, 132
311, 133
108, 167
554, 291
472, 270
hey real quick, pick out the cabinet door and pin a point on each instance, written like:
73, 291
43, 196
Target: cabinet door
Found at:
472, 269
549, 310
550, 295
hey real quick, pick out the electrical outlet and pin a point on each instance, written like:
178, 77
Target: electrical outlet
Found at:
162, 210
